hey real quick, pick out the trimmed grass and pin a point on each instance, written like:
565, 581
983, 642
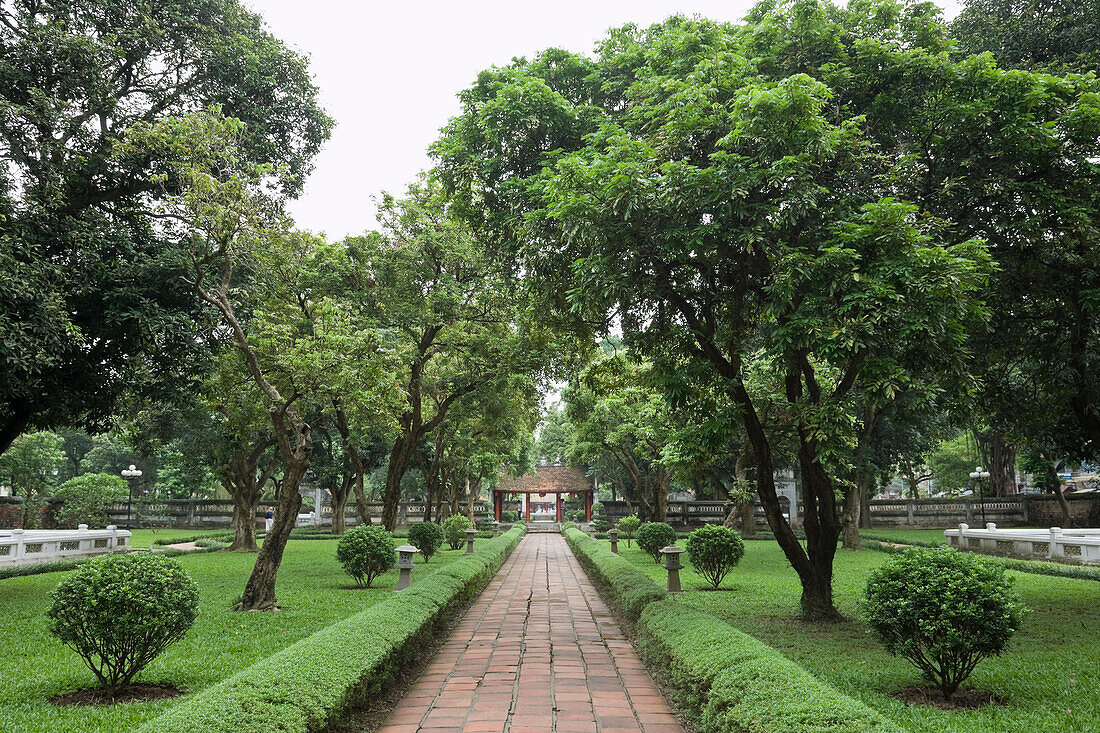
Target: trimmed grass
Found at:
1050, 676
311, 589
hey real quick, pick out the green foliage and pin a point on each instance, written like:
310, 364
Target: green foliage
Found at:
951, 463
322, 676
454, 530
654, 536
1049, 34
714, 550
87, 497
509, 516
627, 526
944, 611
119, 612
728, 681
82, 261
631, 591
365, 552
426, 537
600, 524
28, 466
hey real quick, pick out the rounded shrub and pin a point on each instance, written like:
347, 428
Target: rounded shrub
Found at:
454, 529
509, 516
943, 610
426, 537
628, 526
365, 552
714, 550
654, 536
118, 612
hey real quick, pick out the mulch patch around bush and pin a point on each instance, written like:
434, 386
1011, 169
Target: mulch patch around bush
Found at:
138, 692
931, 697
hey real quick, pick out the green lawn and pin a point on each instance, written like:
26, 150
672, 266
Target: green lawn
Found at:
1050, 677
36, 667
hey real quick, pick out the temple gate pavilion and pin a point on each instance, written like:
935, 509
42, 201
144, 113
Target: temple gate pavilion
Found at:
542, 492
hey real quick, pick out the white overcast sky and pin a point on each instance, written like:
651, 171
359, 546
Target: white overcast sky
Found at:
389, 71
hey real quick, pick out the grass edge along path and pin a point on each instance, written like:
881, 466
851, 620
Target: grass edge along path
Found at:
721, 679
313, 682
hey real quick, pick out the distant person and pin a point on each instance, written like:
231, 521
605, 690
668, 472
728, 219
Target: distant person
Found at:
269, 519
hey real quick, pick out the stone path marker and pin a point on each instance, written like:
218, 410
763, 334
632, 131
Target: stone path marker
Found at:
537, 651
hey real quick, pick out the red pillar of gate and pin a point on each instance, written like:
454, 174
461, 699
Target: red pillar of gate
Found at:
527, 507
558, 508
588, 506
498, 504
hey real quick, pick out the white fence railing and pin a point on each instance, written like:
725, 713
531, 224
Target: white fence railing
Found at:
1080, 546
23, 547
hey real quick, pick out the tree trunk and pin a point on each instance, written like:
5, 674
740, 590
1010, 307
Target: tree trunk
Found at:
852, 502
814, 564
361, 501
659, 499
1067, 517
1000, 460
472, 489
340, 502
244, 481
259, 591
244, 521
400, 457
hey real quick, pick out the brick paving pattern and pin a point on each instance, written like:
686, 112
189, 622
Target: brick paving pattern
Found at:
538, 651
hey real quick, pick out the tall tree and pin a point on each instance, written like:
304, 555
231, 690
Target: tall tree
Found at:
90, 306
615, 412
727, 209
453, 319
295, 347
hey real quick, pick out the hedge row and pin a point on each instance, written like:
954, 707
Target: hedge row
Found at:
723, 678
315, 681
730, 682
631, 589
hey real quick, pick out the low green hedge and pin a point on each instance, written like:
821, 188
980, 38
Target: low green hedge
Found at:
313, 682
730, 682
630, 588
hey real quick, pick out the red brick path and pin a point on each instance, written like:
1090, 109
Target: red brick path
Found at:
538, 651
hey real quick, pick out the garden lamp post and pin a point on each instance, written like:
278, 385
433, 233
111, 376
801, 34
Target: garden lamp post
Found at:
613, 535
471, 533
131, 474
979, 474
673, 566
405, 565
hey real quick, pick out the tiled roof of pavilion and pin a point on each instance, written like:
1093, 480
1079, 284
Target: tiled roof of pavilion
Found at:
547, 479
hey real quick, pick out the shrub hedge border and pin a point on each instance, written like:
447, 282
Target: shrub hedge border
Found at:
723, 679
731, 682
315, 681
630, 589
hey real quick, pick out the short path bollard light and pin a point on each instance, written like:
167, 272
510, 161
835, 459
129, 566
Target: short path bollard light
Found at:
673, 566
496, 528
613, 535
470, 534
405, 564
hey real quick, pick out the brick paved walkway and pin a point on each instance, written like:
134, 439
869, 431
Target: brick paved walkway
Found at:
538, 651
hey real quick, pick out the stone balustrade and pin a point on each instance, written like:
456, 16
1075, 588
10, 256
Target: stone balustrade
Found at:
24, 547
1077, 546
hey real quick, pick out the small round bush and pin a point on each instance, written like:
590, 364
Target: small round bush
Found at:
654, 536
118, 612
509, 516
713, 551
943, 610
365, 552
426, 537
628, 526
454, 529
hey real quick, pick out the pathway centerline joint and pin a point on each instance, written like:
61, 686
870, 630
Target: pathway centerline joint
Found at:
537, 651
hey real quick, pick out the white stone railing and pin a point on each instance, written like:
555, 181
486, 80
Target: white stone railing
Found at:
1080, 546
24, 547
